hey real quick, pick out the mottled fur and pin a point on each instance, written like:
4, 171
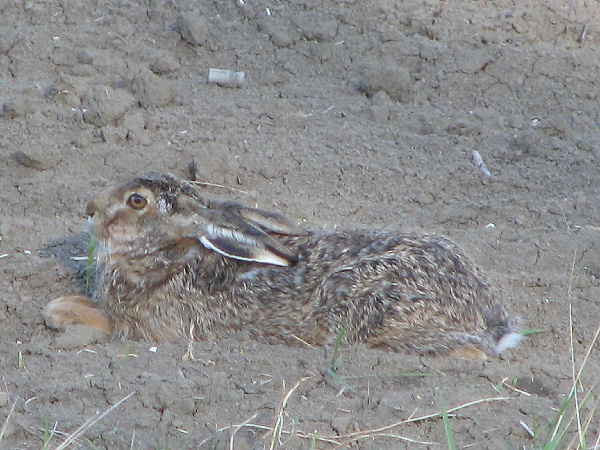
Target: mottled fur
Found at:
185, 262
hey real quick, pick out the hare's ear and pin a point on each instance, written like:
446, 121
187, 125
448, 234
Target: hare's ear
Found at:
266, 220
250, 244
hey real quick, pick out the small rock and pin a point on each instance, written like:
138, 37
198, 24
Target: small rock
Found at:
28, 161
151, 90
391, 78
463, 128
313, 27
164, 63
16, 108
193, 28
135, 126
281, 35
526, 144
341, 424
106, 105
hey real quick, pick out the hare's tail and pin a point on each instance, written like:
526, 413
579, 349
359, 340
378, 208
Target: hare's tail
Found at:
509, 340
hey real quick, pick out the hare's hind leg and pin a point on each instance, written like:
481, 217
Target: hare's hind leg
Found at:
426, 343
76, 310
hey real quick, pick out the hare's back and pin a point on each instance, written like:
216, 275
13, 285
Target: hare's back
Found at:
410, 291
417, 255
391, 270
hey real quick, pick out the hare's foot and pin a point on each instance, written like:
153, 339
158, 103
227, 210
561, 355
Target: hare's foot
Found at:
76, 310
469, 353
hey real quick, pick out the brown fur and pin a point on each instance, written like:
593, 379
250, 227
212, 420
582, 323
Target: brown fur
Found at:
158, 279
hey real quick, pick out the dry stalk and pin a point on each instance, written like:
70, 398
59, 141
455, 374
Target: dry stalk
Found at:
220, 186
7, 420
90, 422
237, 428
278, 428
373, 432
189, 354
345, 440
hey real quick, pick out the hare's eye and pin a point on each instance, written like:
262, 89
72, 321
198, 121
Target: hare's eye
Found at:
137, 201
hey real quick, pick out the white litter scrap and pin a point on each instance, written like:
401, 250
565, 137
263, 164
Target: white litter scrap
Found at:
227, 78
478, 161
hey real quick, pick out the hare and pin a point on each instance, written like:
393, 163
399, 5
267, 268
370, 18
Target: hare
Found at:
174, 264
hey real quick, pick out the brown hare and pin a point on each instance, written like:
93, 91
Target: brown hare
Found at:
173, 263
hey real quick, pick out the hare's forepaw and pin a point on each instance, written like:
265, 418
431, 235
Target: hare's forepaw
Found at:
76, 310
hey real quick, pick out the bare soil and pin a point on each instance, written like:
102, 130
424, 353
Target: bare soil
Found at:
353, 114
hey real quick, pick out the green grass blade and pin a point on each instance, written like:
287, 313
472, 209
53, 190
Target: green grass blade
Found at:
89, 270
447, 427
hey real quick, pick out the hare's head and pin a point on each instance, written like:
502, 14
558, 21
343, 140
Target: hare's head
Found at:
154, 212
143, 209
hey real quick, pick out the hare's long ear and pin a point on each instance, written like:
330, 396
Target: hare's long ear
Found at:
246, 243
238, 232
266, 220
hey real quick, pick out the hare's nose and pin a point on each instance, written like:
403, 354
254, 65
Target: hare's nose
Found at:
90, 209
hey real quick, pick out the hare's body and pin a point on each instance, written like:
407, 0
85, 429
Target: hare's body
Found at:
190, 267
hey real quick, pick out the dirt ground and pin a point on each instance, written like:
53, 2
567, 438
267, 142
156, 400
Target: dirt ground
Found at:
353, 114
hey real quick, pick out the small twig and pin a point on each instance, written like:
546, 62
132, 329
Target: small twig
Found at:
478, 161
584, 30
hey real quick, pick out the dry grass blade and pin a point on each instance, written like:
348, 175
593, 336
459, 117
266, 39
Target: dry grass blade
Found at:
7, 420
10, 413
338, 444
237, 428
577, 374
347, 439
436, 415
573, 374
576, 440
560, 428
278, 428
220, 186
90, 422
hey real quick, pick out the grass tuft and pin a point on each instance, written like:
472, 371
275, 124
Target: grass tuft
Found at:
336, 357
572, 411
90, 261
